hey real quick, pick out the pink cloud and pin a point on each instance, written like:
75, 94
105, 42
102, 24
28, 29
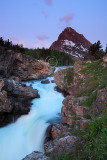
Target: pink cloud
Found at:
67, 18
42, 44
26, 44
42, 37
17, 40
48, 2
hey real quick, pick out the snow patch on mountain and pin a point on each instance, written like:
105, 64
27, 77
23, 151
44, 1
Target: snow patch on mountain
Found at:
69, 43
72, 43
84, 49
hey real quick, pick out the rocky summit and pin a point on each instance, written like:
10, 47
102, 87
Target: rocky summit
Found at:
72, 43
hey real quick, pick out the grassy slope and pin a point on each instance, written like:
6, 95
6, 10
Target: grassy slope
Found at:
96, 82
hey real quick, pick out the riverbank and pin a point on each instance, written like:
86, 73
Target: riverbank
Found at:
15, 97
82, 134
28, 132
83, 114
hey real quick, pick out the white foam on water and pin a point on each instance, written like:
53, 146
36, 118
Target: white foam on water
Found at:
28, 133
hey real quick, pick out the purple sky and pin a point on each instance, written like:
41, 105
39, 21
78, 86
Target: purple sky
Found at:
37, 23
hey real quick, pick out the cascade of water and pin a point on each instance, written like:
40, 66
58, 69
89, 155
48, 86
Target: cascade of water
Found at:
27, 134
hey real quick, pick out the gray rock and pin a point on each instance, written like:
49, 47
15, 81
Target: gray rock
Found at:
45, 81
17, 89
64, 145
36, 156
101, 101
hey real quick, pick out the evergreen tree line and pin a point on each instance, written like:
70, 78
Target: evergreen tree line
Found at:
54, 57
96, 51
8, 44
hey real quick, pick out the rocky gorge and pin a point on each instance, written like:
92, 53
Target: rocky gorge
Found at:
86, 86
15, 96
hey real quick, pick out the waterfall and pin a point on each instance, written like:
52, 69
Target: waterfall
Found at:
27, 134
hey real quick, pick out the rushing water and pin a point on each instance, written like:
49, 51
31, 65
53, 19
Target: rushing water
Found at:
27, 134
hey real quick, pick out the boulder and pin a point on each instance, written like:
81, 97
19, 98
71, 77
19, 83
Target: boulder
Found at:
101, 101
36, 156
70, 79
45, 81
73, 112
59, 130
61, 146
14, 99
18, 90
63, 78
56, 131
52, 81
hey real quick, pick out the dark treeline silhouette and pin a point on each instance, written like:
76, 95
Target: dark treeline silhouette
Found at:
8, 44
96, 50
54, 57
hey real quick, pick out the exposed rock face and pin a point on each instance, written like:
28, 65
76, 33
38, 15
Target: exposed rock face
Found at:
71, 42
22, 66
69, 79
62, 146
59, 130
16, 89
56, 131
36, 156
61, 80
72, 112
15, 96
13, 99
5, 103
101, 101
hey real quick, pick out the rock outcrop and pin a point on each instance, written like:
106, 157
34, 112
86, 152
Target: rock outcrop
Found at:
22, 66
101, 101
36, 156
5, 103
69, 79
73, 112
14, 99
59, 130
72, 43
15, 96
45, 81
62, 80
16, 89
82, 84
62, 145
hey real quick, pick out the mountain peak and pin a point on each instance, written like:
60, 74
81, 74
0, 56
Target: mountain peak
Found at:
71, 42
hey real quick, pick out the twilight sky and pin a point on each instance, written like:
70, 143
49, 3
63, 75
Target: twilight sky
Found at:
37, 23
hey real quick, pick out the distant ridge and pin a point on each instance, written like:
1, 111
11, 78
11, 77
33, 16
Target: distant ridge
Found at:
71, 42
